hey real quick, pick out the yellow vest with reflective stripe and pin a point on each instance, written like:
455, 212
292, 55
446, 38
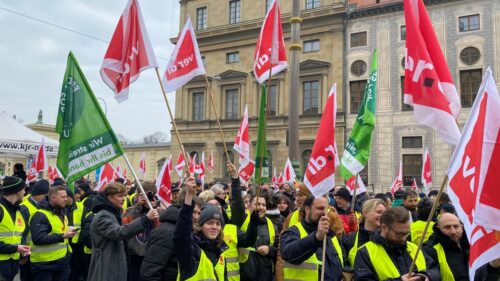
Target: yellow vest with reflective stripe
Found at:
383, 264
11, 232
353, 251
295, 219
444, 268
417, 229
206, 271
231, 254
229, 212
86, 249
244, 252
32, 210
308, 270
51, 252
77, 220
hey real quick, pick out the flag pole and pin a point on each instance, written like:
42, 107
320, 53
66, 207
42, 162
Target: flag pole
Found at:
429, 219
217, 117
141, 189
323, 253
173, 120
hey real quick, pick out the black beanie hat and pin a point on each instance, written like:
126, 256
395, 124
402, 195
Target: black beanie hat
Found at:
58, 181
41, 187
12, 185
210, 211
344, 193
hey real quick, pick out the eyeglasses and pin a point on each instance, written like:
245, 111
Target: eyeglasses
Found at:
399, 234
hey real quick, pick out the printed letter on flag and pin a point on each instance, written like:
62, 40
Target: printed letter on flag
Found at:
271, 38
185, 62
164, 184
474, 174
428, 83
319, 176
242, 146
426, 172
129, 52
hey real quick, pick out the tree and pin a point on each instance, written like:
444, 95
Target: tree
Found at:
123, 139
157, 137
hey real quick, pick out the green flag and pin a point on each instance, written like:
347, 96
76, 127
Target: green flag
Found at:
357, 149
86, 141
261, 161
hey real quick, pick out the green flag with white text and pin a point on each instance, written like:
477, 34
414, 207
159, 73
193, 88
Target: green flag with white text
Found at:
86, 141
357, 149
261, 161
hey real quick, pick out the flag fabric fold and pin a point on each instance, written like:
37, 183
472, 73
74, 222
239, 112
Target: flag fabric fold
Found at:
108, 175
210, 164
288, 172
164, 184
398, 181
242, 146
426, 171
350, 184
142, 164
181, 162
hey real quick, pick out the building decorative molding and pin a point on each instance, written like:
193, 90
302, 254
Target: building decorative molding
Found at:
232, 74
314, 64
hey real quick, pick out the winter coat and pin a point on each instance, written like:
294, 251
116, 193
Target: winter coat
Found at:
364, 270
109, 260
160, 261
137, 244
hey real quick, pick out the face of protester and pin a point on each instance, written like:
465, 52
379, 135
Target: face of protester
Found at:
20, 195
287, 188
282, 205
301, 197
196, 214
450, 225
396, 233
59, 199
174, 196
316, 210
260, 207
117, 199
341, 202
411, 203
374, 216
141, 200
211, 228
264, 187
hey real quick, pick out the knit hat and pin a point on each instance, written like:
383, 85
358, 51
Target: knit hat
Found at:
210, 211
12, 185
41, 187
344, 194
58, 181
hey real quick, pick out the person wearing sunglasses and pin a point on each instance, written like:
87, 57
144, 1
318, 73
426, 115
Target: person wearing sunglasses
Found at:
388, 255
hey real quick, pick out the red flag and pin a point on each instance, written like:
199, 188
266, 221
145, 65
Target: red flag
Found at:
129, 52
32, 175
210, 166
53, 173
398, 181
108, 175
142, 164
274, 179
281, 180
41, 163
271, 38
169, 163
428, 82
164, 184
426, 172
350, 184
192, 164
242, 146
201, 169
414, 185
181, 162
319, 176
185, 62
474, 174
288, 172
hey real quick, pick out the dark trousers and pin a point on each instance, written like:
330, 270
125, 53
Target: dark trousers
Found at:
56, 271
134, 270
78, 272
8, 269
25, 270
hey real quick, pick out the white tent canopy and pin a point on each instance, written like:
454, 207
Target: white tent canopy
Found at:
19, 140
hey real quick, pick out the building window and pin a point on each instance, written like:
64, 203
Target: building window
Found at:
358, 68
231, 103
403, 62
470, 80
311, 96
225, 172
304, 157
470, 55
198, 106
358, 39
311, 4
363, 174
311, 46
233, 57
272, 99
468, 23
412, 142
201, 18
404, 106
357, 91
412, 168
269, 163
402, 33
234, 11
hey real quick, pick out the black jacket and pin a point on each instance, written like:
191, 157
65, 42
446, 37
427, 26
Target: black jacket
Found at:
349, 240
458, 257
12, 209
295, 250
160, 261
364, 270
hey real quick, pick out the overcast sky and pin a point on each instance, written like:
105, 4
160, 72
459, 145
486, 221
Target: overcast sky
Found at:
33, 59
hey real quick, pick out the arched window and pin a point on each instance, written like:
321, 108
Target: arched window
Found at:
304, 158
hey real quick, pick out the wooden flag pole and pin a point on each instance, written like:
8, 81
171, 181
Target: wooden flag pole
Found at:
429, 219
173, 120
323, 253
217, 117
141, 189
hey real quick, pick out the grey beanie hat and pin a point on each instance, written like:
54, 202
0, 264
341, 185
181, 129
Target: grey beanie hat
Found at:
210, 211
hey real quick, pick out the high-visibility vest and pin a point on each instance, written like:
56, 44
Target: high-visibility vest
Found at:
444, 268
295, 219
206, 270
245, 252
86, 249
383, 264
231, 253
229, 212
308, 270
77, 220
51, 252
11, 232
32, 210
353, 251
417, 229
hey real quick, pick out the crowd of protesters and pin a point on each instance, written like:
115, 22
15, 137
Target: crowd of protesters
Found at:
226, 231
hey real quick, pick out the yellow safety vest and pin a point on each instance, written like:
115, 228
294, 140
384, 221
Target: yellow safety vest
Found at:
231, 254
417, 229
11, 232
444, 268
25, 198
308, 270
51, 252
77, 220
245, 252
229, 212
295, 219
86, 249
383, 264
353, 251
32, 210
206, 271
